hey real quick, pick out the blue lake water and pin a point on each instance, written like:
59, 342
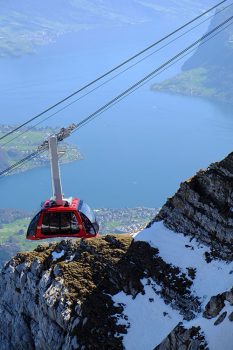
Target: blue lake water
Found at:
136, 153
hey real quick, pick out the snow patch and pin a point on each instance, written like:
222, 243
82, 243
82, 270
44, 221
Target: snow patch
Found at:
149, 319
218, 337
71, 258
179, 250
56, 255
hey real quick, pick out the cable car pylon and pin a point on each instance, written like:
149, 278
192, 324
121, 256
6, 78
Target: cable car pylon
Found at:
55, 171
59, 216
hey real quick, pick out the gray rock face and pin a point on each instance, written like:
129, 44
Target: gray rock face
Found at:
193, 338
60, 296
47, 298
214, 306
221, 318
29, 318
63, 301
231, 317
203, 208
183, 339
217, 303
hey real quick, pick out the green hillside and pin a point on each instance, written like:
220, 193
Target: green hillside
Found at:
28, 24
27, 143
14, 223
209, 72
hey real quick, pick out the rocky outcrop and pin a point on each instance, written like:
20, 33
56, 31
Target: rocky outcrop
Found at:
193, 338
203, 208
59, 296
217, 303
50, 295
92, 294
202, 211
214, 306
185, 339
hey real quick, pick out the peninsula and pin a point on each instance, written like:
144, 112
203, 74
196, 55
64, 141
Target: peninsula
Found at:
29, 139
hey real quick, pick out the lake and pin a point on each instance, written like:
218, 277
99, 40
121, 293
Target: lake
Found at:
137, 152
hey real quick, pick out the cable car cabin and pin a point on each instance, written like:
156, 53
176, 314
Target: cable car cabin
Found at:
72, 219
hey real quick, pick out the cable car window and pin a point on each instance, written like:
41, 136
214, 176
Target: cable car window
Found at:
45, 224
65, 223
54, 223
33, 225
50, 223
60, 223
87, 225
86, 210
74, 224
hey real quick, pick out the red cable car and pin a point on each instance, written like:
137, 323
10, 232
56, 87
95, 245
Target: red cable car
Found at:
60, 217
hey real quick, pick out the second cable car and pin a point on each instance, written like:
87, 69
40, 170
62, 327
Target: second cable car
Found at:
62, 217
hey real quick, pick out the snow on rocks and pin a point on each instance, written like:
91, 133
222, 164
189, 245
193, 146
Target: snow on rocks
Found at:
147, 317
218, 336
212, 281
116, 292
210, 278
57, 256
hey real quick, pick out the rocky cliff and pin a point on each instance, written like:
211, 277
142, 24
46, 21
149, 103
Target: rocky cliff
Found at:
60, 296
168, 287
203, 208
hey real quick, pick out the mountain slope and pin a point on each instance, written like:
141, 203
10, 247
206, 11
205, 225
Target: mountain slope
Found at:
208, 279
209, 71
169, 287
29, 24
203, 208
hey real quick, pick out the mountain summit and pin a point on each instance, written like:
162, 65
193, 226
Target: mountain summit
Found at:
168, 287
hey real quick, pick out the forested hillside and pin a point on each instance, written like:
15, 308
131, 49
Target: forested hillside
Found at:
209, 71
27, 25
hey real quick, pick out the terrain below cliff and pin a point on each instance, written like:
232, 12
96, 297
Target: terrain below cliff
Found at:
168, 287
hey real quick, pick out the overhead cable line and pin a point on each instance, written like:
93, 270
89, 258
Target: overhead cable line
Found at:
20, 162
152, 74
131, 89
152, 77
111, 70
110, 79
